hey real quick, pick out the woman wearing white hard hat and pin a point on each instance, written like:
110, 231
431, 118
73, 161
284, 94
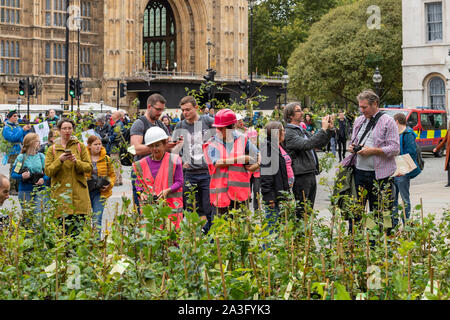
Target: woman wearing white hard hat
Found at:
160, 175
240, 126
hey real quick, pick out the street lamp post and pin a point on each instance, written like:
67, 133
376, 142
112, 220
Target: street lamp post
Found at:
251, 4
61, 103
79, 19
377, 78
286, 81
101, 106
19, 101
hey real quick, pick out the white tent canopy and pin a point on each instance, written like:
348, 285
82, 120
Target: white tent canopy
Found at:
35, 109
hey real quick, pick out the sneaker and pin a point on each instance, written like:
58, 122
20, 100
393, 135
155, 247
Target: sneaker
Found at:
447, 185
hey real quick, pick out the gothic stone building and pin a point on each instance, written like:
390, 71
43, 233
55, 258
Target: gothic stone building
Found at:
152, 45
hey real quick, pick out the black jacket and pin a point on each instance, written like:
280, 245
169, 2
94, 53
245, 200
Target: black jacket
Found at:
342, 129
299, 148
273, 179
103, 133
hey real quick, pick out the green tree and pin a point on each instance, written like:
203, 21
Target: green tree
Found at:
343, 50
279, 25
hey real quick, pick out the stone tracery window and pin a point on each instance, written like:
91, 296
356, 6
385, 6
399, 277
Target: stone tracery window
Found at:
9, 57
159, 36
10, 11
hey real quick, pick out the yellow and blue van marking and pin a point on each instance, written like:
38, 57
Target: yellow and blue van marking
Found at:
430, 134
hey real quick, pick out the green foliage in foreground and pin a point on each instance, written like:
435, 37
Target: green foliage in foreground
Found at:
142, 257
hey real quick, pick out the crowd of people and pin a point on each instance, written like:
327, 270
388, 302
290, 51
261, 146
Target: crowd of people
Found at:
218, 156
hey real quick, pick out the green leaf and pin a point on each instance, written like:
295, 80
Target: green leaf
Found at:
342, 293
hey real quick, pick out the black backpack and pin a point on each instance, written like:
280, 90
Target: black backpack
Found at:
126, 158
420, 161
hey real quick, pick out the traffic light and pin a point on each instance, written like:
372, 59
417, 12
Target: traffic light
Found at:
72, 87
31, 88
21, 87
208, 92
79, 90
123, 90
210, 76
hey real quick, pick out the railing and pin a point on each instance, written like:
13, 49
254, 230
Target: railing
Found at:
172, 74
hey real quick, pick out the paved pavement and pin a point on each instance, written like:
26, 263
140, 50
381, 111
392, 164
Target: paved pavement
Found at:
429, 186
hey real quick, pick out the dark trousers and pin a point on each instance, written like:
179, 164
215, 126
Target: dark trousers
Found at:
224, 211
305, 188
199, 185
342, 146
365, 180
255, 186
73, 224
448, 172
133, 186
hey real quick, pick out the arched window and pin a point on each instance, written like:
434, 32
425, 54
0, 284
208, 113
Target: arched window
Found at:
159, 36
436, 92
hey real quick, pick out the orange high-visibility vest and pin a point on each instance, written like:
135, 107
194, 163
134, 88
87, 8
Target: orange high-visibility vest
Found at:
163, 180
257, 173
231, 182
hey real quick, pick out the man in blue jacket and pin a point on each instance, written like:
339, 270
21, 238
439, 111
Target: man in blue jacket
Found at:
14, 134
402, 183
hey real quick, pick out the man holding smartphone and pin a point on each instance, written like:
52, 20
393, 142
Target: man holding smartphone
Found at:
193, 132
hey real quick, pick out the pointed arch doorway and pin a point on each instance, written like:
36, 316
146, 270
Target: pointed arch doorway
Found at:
159, 36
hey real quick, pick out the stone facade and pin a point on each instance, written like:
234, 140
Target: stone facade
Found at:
426, 53
111, 42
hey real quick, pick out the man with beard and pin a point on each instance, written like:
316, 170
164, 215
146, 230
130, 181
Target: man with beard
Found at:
156, 104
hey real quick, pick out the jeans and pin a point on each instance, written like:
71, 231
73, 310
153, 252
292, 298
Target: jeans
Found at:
135, 195
332, 145
200, 188
402, 185
272, 217
98, 205
33, 197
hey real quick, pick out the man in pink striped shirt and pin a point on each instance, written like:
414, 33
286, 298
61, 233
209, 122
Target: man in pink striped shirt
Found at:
376, 160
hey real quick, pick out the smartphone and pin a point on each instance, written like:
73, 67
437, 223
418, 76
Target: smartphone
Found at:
179, 138
68, 151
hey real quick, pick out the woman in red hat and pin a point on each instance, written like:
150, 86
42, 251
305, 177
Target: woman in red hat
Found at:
231, 158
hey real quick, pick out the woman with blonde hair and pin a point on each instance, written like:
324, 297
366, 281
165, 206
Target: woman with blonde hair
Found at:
101, 180
28, 169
